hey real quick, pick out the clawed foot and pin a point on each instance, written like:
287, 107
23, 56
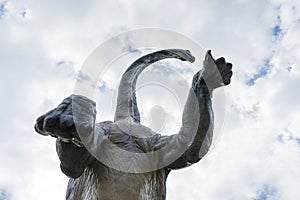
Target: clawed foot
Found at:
215, 73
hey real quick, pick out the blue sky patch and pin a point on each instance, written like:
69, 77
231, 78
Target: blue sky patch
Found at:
266, 193
261, 73
130, 47
83, 77
280, 138
284, 138
102, 86
4, 195
62, 62
2, 12
24, 13
276, 31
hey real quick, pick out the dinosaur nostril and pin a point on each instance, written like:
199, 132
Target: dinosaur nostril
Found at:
50, 123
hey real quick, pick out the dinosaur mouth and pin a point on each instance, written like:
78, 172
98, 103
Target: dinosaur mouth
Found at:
188, 56
183, 55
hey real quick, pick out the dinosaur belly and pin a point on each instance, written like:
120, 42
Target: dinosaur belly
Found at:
99, 182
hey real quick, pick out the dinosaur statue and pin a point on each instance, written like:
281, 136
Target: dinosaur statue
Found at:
139, 173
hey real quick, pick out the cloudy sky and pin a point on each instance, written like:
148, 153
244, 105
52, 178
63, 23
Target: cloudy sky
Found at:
43, 44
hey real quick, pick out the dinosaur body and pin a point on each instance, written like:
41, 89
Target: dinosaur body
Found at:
128, 167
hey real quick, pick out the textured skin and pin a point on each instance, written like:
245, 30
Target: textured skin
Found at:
92, 180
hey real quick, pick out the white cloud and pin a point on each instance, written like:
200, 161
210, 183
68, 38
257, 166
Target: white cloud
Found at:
41, 52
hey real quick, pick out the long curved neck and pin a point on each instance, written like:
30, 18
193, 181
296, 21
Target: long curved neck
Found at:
126, 102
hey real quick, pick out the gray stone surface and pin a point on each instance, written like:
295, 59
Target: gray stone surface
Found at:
92, 179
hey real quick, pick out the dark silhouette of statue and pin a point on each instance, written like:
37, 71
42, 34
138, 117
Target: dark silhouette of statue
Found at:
138, 172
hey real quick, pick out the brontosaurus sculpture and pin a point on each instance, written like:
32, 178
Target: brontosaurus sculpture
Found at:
143, 173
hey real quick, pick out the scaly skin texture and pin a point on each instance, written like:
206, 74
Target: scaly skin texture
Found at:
92, 180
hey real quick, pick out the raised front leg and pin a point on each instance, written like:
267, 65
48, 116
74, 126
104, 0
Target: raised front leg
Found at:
75, 114
215, 73
197, 122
